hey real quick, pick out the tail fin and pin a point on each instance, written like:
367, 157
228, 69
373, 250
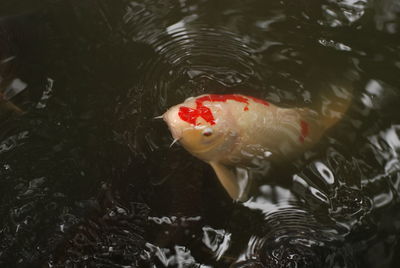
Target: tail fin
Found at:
335, 104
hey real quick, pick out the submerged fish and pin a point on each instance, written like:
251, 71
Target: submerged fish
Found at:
240, 131
7, 106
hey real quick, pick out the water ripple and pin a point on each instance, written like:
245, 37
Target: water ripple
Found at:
297, 239
196, 52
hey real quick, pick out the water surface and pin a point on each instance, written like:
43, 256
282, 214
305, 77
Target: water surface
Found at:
88, 178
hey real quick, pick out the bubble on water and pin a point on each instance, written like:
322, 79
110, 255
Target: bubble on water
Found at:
325, 172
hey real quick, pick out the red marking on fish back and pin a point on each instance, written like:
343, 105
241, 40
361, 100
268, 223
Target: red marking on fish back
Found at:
222, 98
304, 129
190, 115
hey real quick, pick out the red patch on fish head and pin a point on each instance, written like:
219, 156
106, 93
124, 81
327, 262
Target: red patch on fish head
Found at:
190, 115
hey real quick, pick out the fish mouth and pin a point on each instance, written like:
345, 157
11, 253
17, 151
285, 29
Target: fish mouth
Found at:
170, 118
173, 142
176, 135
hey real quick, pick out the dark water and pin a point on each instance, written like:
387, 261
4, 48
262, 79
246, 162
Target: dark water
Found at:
87, 176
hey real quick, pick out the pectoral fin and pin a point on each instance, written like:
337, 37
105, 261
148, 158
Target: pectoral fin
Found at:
235, 185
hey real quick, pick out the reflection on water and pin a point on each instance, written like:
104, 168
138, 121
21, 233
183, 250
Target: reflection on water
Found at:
217, 241
87, 176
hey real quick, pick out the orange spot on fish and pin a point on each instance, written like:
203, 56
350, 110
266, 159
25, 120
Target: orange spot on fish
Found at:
304, 129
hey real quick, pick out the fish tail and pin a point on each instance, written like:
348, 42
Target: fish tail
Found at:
335, 103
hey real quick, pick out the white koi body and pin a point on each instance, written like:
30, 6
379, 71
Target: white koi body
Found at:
239, 131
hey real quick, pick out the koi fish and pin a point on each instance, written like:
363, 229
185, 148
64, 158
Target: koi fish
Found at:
238, 131
6, 105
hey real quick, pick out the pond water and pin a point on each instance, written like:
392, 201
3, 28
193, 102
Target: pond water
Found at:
88, 177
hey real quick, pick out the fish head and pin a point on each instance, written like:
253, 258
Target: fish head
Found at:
206, 131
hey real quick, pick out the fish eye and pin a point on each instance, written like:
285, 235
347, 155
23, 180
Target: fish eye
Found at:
207, 132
